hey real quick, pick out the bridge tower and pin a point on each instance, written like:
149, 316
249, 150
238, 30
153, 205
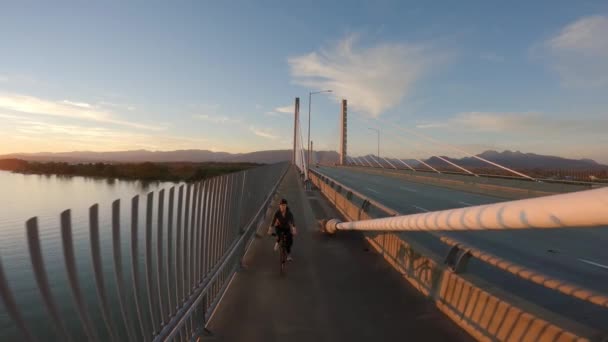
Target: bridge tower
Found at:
295, 128
343, 131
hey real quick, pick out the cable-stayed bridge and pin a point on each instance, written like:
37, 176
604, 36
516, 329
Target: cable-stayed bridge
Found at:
388, 247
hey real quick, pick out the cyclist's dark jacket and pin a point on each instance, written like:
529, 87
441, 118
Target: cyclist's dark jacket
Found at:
285, 222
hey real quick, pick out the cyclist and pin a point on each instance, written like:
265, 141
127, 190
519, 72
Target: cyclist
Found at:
283, 223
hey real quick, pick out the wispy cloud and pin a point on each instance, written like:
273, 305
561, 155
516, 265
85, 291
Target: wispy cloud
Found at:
528, 124
264, 133
431, 125
117, 105
285, 109
77, 104
281, 111
579, 52
218, 119
66, 109
69, 137
373, 78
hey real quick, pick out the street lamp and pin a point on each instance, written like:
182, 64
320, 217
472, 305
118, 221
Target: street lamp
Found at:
310, 94
378, 131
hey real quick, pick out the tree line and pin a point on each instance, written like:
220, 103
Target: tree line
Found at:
147, 171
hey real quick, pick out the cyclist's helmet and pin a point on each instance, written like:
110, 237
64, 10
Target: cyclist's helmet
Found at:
283, 201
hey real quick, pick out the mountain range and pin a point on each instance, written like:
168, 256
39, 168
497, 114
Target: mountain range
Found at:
138, 156
514, 159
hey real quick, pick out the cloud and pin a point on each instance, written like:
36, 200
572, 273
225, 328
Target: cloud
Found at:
281, 111
264, 133
586, 34
67, 109
529, 124
285, 109
3, 78
68, 137
77, 104
431, 125
117, 105
219, 119
373, 79
579, 52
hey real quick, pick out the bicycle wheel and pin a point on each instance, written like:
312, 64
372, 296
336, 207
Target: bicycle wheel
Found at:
283, 257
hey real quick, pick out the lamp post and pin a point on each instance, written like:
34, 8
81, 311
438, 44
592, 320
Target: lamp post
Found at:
378, 131
310, 94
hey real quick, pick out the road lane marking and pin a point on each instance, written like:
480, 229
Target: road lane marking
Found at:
465, 203
407, 189
420, 208
593, 263
370, 189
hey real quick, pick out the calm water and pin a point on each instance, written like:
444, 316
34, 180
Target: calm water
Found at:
24, 196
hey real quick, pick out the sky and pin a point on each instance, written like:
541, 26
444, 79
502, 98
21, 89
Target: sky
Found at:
435, 77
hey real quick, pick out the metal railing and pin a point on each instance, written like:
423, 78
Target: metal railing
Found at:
461, 292
573, 210
191, 248
587, 177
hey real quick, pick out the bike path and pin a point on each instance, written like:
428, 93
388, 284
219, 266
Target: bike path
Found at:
336, 289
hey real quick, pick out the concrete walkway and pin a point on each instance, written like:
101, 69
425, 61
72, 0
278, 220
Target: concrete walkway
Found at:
336, 289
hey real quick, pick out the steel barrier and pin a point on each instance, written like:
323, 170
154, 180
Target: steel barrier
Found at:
201, 235
431, 278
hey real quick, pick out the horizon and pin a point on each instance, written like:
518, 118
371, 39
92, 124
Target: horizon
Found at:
224, 77
287, 150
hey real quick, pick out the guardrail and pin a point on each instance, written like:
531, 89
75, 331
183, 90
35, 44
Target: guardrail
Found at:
185, 274
497, 176
438, 284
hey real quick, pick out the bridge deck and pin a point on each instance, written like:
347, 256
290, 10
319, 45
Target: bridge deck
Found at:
335, 290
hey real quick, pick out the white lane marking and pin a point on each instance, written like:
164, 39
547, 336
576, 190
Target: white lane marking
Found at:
465, 203
420, 208
370, 189
407, 189
593, 263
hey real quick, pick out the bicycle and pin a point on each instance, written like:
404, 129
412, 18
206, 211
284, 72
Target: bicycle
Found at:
282, 254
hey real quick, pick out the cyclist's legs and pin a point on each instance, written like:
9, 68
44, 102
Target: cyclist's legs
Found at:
280, 231
289, 241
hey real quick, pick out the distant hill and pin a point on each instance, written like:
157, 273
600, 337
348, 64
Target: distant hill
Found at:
138, 156
135, 156
12, 164
519, 160
507, 158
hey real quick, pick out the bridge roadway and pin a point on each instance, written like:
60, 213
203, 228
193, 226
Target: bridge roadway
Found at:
335, 290
579, 255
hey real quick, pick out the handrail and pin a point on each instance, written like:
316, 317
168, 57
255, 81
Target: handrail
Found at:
532, 275
172, 327
588, 208
488, 175
420, 220
207, 241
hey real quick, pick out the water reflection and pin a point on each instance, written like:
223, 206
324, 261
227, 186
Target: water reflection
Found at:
45, 196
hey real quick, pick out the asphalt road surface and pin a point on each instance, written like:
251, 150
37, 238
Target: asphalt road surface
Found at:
336, 289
